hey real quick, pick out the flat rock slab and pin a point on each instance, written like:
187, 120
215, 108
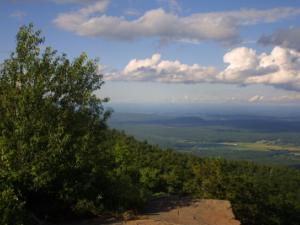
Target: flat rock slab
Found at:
188, 212
179, 211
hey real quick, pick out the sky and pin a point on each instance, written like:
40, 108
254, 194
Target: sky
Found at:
173, 51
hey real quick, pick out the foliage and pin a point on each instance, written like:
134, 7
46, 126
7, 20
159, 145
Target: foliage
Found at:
11, 207
259, 194
51, 123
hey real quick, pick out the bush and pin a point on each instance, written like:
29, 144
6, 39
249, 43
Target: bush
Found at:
11, 207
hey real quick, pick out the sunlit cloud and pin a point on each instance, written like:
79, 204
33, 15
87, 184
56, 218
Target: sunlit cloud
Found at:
165, 71
280, 68
221, 27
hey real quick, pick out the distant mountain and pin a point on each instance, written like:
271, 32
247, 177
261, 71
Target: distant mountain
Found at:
179, 121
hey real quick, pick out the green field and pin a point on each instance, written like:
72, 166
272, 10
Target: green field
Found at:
230, 140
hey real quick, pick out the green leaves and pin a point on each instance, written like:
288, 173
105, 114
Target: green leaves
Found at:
11, 206
50, 118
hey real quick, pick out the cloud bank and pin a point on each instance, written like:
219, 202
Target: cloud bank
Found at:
222, 27
280, 68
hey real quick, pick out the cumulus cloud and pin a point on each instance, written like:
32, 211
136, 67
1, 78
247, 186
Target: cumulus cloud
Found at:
216, 26
157, 70
243, 63
280, 68
285, 37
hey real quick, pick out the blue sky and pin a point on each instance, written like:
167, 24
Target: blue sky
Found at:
164, 51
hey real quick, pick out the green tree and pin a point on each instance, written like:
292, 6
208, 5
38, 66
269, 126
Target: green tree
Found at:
51, 123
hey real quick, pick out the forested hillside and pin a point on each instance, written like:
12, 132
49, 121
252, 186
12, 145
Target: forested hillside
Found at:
60, 161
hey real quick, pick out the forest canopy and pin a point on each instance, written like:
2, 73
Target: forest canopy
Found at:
60, 160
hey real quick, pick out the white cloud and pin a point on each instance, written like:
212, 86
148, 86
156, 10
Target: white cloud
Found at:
256, 98
157, 70
280, 68
71, 20
216, 26
242, 63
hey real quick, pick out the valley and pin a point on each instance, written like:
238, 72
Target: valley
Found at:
262, 139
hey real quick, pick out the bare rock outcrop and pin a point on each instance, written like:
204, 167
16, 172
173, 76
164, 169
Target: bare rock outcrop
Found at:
178, 211
187, 212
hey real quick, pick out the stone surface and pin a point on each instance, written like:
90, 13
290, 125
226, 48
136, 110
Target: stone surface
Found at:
188, 212
180, 211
